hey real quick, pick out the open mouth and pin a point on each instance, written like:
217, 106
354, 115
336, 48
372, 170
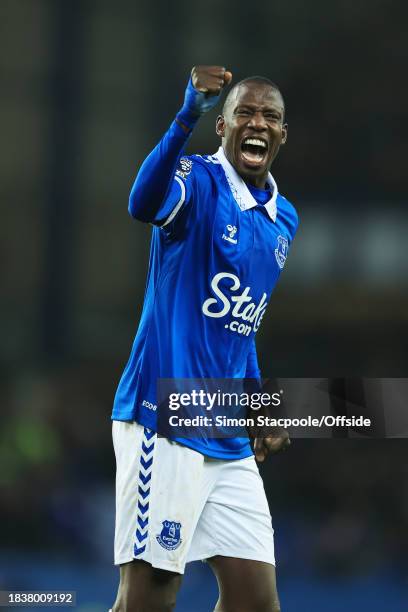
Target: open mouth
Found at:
254, 151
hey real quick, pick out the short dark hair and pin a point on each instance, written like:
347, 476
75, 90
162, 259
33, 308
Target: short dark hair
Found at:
252, 79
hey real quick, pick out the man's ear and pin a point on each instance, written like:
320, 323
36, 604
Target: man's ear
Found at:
284, 133
220, 126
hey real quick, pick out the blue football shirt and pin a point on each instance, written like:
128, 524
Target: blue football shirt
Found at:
216, 255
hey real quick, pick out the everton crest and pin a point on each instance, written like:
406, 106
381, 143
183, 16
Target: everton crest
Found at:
169, 537
185, 166
281, 251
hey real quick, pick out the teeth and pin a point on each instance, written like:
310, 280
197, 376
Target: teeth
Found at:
255, 141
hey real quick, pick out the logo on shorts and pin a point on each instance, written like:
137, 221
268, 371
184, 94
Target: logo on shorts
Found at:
169, 537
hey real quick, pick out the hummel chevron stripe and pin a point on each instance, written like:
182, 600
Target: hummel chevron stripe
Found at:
142, 522
144, 494
141, 536
143, 489
146, 464
149, 433
143, 508
145, 479
147, 449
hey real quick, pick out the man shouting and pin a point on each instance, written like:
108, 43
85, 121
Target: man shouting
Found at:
220, 239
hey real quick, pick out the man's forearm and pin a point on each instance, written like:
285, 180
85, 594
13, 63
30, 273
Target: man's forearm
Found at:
184, 127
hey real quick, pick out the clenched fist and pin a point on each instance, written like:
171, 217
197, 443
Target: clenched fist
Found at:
210, 79
270, 444
202, 93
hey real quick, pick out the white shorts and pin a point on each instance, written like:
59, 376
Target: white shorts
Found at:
174, 505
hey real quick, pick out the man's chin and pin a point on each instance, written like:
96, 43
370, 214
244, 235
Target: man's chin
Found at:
248, 172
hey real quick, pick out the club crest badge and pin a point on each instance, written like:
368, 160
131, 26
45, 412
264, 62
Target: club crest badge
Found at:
185, 166
169, 537
231, 231
281, 251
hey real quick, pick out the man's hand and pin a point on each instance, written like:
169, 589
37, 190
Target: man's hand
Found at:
210, 79
202, 93
270, 444
267, 439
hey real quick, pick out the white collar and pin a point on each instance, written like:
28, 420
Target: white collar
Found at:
240, 191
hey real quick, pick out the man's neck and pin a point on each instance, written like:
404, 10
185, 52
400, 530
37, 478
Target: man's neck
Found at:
263, 187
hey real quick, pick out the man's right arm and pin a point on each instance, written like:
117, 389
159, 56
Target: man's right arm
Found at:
154, 179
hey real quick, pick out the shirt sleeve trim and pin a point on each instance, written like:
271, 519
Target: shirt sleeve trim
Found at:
179, 203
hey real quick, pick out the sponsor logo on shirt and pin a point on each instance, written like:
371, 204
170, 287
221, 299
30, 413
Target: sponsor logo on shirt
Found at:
245, 312
232, 230
149, 405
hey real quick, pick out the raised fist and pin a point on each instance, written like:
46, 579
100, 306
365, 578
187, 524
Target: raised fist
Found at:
202, 93
210, 79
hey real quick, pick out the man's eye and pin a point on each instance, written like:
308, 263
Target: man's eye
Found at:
243, 112
271, 116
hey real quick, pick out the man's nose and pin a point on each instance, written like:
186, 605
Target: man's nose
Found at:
257, 121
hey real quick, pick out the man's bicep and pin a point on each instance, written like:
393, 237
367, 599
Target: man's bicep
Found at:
178, 197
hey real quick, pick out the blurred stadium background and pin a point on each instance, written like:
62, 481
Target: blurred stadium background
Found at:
87, 89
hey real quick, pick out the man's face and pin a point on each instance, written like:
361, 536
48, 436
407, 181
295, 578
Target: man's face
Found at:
252, 130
